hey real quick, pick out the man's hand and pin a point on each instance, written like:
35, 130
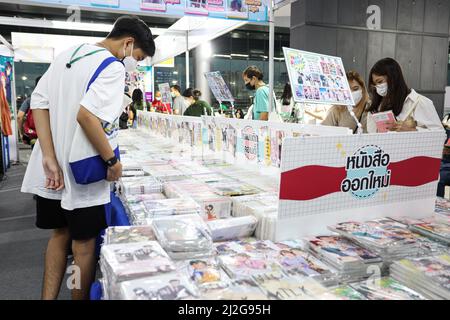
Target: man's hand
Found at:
114, 172
53, 173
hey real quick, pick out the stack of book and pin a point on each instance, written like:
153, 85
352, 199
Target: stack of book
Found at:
429, 276
125, 261
391, 240
352, 261
184, 237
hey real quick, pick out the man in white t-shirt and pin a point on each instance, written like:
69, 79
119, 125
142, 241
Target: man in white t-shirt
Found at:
80, 94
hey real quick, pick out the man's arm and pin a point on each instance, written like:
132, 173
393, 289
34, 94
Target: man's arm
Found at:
20, 116
93, 129
54, 175
264, 116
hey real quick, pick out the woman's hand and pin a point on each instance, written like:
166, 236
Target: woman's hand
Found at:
403, 126
53, 173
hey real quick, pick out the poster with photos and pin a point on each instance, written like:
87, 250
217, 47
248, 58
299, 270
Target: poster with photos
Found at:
153, 5
106, 3
218, 86
317, 78
197, 7
237, 9
215, 5
166, 96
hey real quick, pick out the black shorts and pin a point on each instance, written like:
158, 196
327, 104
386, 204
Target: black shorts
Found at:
83, 223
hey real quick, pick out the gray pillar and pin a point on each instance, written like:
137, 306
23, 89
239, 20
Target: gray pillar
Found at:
414, 32
202, 65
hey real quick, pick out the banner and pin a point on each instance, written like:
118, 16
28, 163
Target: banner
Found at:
359, 177
251, 10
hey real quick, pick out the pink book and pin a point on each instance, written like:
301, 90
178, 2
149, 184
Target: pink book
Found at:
382, 119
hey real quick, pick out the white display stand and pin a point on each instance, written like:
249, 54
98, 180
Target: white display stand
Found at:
314, 187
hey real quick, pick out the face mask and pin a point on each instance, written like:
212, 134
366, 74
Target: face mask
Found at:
158, 99
173, 94
249, 86
357, 96
382, 89
130, 62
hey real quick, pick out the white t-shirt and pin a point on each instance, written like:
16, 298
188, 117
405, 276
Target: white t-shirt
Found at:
62, 91
420, 108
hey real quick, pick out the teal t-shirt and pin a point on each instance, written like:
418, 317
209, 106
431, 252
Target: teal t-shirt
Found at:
261, 102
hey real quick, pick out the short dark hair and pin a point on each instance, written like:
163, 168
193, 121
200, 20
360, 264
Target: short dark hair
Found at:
131, 26
197, 94
176, 87
196, 261
253, 71
189, 92
37, 81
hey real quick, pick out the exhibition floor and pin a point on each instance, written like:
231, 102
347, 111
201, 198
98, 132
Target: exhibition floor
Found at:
22, 245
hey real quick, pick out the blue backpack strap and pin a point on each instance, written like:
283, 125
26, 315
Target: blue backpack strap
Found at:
102, 67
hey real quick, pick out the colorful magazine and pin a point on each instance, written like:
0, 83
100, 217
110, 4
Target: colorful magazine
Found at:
346, 293
238, 289
171, 286
132, 260
278, 286
115, 235
340, 250
205, 272
243, 265
386, 289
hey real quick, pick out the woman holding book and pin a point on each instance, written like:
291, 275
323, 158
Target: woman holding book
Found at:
340, 116
396, 107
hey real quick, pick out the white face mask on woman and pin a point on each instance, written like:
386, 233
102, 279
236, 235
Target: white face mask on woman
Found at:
382, 89
130, 62
357, 96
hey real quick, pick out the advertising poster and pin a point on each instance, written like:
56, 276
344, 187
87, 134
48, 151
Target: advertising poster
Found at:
106, 3
252, 10
215, 5
218, 86
166, 96
317, 78
153, 5
237, 9
6, 73
198, 7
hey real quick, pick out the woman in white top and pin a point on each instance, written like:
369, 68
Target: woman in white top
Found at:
390, 92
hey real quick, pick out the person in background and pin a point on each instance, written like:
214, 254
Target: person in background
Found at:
253, 79
239, 114
390, 92
287, 104
129, 113
339, 116
179, 103
159, 106
62, 104
138, 99
23, 113
198, 107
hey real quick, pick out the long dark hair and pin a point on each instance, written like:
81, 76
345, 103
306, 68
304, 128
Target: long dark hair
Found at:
287, 95
398, 89
137, 96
